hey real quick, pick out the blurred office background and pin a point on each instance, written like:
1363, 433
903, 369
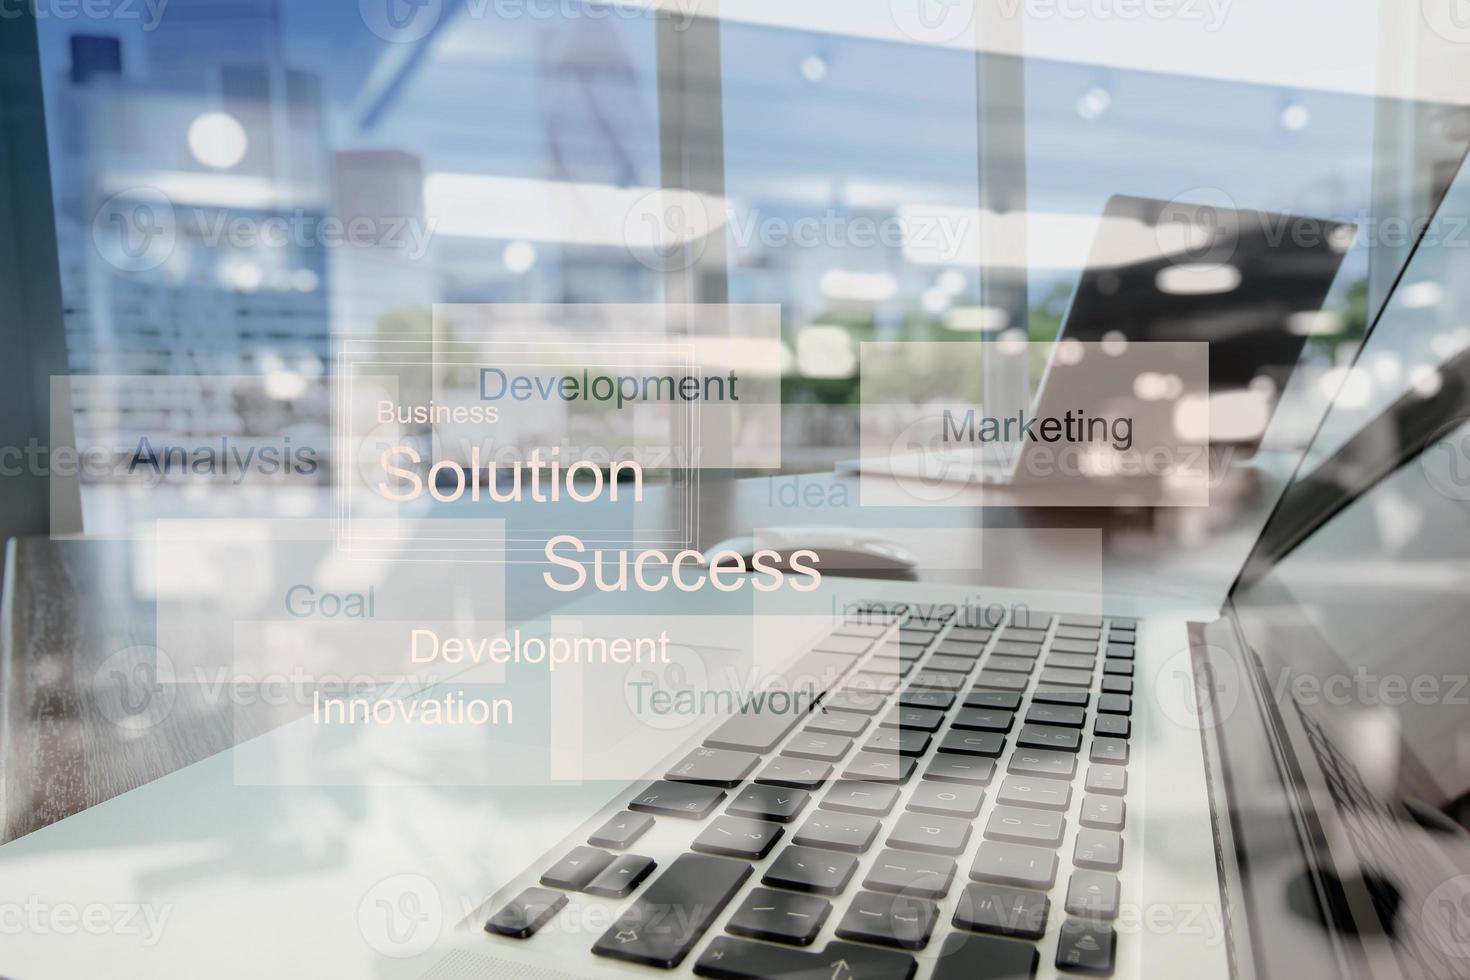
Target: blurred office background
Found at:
439, 134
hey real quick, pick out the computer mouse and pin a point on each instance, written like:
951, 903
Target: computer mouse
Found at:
840, 551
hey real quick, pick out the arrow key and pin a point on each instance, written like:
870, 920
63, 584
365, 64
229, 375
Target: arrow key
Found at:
740, 959
575, 871
622, 876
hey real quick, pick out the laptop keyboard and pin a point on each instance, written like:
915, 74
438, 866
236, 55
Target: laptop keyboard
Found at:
953, 755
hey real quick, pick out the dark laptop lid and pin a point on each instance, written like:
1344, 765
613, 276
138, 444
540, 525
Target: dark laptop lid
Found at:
1338, 687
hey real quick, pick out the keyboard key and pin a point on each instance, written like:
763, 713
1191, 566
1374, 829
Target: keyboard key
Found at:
1001, 700
687, 800
621, 830
1118, 667
1106, 749
935, 700
1115, 704
1122, 651
949, 664
575, 871
1112, 780
880, 767
859, 702
761, 802
807, 869
1122, 623
903, 741
923, 832
894, 666
1022, 825
1064, 645
999, 681
936, 680
1093, 895
874, 799
1032, 618
987, 744
860, 628
1014, 864
852, 832
1100, 850
1079, 619
1013, 648
984, 719
1071, 661
968, 651
780, 917
622, 876
1044, 794
738, 837
836, 723
970, 634
1115, 725
1086, 946
905, 921
1059, 695
1049, 737
960, 769
910, 874
1072, 632
824, 748
1023, 634
741, 959
873, 681
797, 773
1062, 677
975, 957
755, 731
1043, 762
714, 767
1008, 911
1064, 715
525, 914
1102, 812
918, 719
843, 643
952, 800
663, 924
1113, 684
1011, 665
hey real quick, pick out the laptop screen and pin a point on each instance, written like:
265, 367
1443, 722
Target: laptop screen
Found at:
1354, 618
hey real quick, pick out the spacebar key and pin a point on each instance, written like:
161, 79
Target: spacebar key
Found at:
662, 926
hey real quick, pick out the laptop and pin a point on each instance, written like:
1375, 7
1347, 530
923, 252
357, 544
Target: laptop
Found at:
1048, 782
1246, 282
